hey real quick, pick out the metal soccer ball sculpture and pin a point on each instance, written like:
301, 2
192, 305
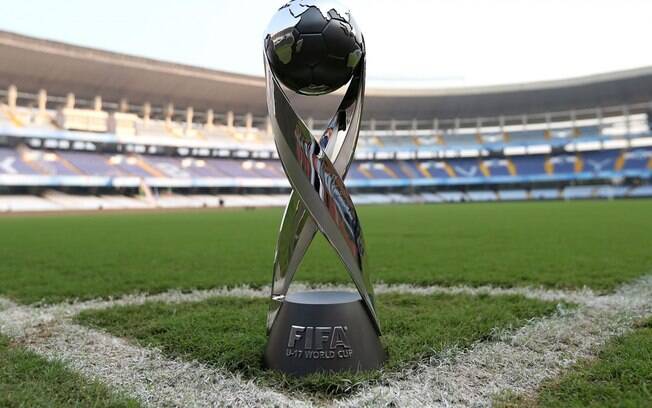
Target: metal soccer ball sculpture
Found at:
314, 46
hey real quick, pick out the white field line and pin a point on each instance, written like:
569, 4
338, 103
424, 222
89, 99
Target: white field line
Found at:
584, 296
138, 372
5, 304
517, 362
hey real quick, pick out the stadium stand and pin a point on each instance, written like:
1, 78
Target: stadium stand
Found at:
579, 192
482, 196
66, 165
611, 192
643, 191
513, 195
65, 146
453, 197
544, 194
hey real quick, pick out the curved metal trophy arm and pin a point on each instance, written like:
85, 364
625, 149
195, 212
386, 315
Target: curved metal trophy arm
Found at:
318, 186
298, 229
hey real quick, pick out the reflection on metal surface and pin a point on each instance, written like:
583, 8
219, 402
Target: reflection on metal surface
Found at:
316, 170
313, 46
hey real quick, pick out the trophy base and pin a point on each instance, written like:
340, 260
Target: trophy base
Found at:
318, 332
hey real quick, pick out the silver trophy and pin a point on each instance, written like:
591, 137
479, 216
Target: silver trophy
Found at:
314, 48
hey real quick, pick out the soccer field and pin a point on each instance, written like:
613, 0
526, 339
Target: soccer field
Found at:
480, 303
557, 245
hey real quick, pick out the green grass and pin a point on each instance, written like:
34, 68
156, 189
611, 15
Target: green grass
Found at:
567, 245
27, 380
229, 332
620, 377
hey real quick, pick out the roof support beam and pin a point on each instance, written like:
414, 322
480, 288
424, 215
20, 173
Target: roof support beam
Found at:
97, 103
42, 102
147, 113
190, 113
12, 97
70, 101
210, 119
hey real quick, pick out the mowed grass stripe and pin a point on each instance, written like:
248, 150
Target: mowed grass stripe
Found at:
27, 380
230, 332
620, 377
558, 245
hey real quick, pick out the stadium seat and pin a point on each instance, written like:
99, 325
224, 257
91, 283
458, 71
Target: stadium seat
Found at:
431, 198
500, 168
11, 203
596, 162
482, 196
544, 194
466, 167
641, 192
529, 165
579, 193
611, 192
453, 196
513, 195
462, 140
563, 164
637, 160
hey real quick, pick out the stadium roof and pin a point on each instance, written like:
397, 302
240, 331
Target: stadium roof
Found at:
32, 64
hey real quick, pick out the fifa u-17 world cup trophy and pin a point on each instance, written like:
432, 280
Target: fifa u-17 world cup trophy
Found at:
313, 48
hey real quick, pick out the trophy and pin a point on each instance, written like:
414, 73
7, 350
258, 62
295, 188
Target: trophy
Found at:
313, 48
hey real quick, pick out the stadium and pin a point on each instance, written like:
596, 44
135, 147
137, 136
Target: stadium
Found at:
509, 234
88, 129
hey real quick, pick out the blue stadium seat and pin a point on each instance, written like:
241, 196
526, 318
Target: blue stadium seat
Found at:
600, 161
497, 168
637, 159
529, 165
12, 163
564, 164
466, 167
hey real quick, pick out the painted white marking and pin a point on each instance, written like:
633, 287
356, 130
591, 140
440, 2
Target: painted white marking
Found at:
7, 165
517, 362
514, 361
141, 373
471, 172
596, 165
583, 296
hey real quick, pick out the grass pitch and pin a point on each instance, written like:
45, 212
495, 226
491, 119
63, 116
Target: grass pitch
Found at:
229, 332
557, 245
620, 377
27, 380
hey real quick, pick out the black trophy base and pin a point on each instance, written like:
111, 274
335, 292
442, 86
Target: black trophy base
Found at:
321, 332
